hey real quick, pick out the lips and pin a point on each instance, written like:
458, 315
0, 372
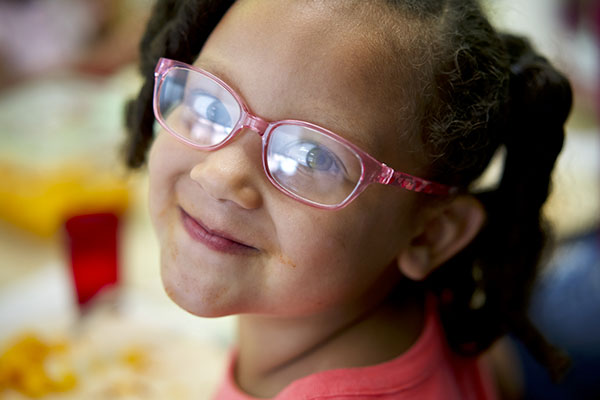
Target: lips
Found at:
215, 240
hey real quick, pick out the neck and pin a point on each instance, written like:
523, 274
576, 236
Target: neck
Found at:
273, 352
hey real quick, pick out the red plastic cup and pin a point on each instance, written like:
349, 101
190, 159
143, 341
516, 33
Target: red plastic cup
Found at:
92, 242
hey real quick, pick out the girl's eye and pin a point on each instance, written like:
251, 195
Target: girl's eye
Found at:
210, 108
320, 159
313, 156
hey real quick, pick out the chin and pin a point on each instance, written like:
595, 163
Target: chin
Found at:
196, 296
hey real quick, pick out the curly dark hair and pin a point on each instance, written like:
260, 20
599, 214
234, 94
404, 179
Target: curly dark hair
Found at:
492, 90
481, 90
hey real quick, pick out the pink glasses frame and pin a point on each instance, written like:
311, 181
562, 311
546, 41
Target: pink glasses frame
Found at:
373, 171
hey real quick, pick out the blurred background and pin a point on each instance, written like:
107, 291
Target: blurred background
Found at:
82, 310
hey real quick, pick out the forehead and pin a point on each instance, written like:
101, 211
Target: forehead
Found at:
327, 62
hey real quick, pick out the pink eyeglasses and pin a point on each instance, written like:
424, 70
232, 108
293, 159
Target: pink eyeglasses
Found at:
307, 162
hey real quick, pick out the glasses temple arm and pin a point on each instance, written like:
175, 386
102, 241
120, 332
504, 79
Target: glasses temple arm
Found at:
390, 177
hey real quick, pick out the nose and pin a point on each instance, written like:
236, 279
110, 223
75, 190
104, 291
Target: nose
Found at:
230, 173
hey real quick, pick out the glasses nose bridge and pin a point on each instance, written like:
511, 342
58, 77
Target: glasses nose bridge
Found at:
254, 123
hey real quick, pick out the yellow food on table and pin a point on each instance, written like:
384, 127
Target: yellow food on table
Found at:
108, 355
36, 367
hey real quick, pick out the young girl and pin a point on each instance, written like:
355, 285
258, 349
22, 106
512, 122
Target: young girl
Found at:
270, 197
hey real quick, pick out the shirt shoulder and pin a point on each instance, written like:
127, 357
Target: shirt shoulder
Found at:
429, 369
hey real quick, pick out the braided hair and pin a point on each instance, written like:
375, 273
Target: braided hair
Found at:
482, 90
492, 90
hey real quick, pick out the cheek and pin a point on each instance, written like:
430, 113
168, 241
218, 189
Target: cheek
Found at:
368, 233
341, 255
157, 179
381, 226
164, 168
166, 163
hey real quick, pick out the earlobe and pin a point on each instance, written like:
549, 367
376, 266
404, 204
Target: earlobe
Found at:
449, 230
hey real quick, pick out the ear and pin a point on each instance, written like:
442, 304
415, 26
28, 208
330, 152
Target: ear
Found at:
445, 232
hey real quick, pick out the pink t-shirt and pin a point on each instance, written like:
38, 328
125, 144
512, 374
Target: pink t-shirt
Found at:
428, 370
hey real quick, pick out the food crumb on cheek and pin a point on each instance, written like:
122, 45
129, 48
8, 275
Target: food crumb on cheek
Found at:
285, 260
173, 253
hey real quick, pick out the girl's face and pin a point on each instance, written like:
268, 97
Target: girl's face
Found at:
231, 242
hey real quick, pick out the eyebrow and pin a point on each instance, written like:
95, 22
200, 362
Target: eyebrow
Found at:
216, 68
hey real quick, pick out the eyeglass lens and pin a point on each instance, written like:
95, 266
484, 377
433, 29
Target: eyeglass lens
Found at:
302, 160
